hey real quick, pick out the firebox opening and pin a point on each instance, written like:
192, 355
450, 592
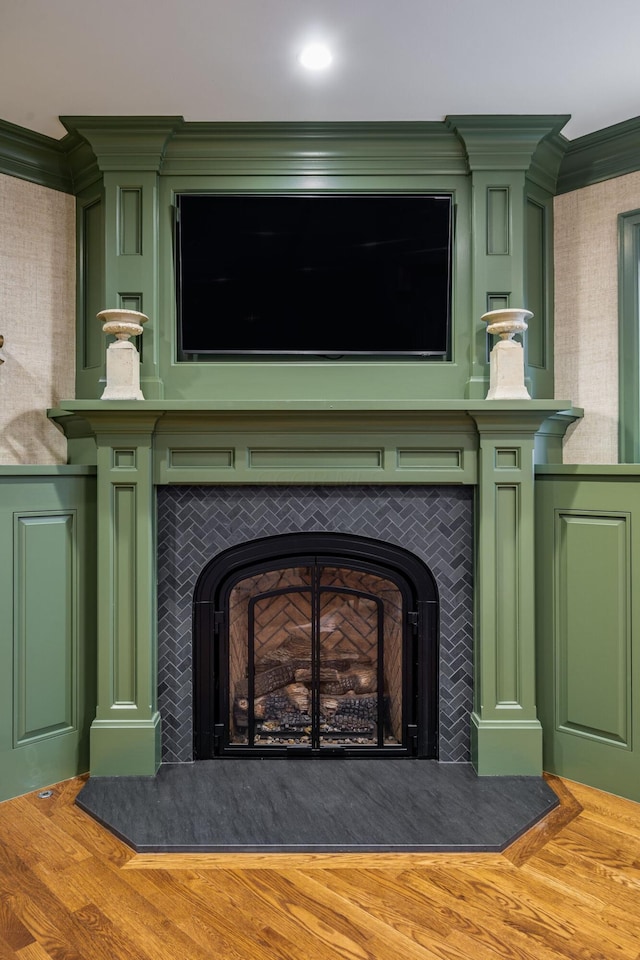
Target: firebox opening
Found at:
315, 644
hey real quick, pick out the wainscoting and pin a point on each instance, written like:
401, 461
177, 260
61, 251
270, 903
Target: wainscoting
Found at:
587, 615
47, 604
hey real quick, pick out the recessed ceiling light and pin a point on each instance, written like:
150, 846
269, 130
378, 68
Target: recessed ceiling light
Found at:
315, 56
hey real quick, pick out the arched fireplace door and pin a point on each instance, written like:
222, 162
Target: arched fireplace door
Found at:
315, 645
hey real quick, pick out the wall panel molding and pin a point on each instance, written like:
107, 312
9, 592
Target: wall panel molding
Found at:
593, 625
45, 626
629, 336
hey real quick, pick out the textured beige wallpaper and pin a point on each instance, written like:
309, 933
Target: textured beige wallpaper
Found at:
586, 312
37, 318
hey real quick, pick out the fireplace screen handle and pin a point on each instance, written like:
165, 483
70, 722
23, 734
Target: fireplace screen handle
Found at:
218, 734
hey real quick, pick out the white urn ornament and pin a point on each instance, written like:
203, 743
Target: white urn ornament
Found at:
123, 360
506, 363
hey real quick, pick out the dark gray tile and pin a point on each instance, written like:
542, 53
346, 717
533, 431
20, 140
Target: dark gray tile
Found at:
323, 805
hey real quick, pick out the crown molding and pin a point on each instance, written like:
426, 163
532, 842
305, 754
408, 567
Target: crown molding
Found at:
34, 157
125, 143
458, 144
603, 155
504, 142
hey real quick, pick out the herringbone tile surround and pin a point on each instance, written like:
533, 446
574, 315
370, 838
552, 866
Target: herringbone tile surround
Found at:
196, 522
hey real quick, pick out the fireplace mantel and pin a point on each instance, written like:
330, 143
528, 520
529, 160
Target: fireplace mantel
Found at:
490, 445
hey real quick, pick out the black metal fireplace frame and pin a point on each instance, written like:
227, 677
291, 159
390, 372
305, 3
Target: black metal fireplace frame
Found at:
420, 638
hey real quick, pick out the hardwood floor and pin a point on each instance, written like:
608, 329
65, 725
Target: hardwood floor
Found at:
569, 888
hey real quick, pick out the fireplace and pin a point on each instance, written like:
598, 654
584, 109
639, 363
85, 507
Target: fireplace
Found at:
315, 644
451, 481
402, 555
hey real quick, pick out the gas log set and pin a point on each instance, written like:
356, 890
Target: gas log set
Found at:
285, 683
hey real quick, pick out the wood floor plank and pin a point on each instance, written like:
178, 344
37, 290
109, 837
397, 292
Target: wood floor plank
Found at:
306, 929
328, 920
305, 861
425, 919
6, 953
13, 932
120, 903
206, 912
235, 928
35, 951
547, 828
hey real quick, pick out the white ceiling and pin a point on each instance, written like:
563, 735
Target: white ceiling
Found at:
393, 59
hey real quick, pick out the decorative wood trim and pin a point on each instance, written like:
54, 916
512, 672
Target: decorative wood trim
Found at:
536, 278
129, 221
504, 142
498, 221
507, 590
603, 155
34, 157
45, 673
629, 336
592, 600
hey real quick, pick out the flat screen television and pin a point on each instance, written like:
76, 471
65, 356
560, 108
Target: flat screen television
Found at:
328, 275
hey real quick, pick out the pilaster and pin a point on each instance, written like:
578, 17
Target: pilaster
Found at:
125, 736
506, 736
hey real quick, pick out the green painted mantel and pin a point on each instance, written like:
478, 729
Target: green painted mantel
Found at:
490, 445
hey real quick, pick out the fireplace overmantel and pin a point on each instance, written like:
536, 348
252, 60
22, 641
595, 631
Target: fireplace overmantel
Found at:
490, 445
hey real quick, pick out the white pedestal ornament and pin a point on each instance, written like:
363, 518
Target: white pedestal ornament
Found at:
506, 363
123, 360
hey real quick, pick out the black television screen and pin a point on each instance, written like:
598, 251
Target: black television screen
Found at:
314, 274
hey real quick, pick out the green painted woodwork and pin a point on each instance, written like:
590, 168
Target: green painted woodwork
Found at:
629, 336
588, 641
507, 553
306, 442
535, 283
34, 157
500, 748
129, 223
508, 164
506, 734
483, 162
602, 155
47, 650
498, 221
125, 733
67, 165
125, 748
45, 627
90, 233
593, 590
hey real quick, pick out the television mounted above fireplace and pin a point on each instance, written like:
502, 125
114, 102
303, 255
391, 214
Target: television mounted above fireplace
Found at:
316, 274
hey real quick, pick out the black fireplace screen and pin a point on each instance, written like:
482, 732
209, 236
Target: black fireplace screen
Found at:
314, 653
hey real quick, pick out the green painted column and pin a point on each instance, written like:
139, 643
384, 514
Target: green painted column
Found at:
125, 736
506, 735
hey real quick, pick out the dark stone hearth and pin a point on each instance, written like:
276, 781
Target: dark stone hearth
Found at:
236, 806
195, 523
